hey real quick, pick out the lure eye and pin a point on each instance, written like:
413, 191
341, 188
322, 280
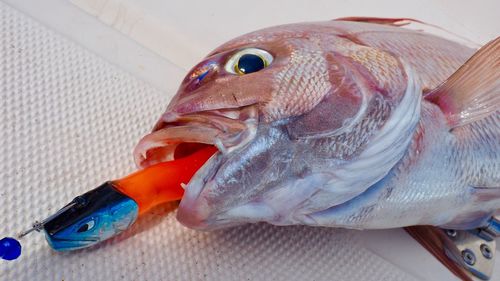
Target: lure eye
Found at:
86, 226
248, 61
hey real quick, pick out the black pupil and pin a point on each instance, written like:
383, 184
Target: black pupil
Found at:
250, 63
83, 228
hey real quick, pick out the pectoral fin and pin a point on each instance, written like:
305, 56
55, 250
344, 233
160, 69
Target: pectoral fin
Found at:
473, 91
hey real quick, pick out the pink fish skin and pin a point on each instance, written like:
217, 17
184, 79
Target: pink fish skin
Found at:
348, 124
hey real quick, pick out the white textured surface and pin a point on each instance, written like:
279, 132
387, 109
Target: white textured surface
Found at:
73, 23
69, 122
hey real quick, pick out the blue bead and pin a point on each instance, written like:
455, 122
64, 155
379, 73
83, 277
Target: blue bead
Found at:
10, 248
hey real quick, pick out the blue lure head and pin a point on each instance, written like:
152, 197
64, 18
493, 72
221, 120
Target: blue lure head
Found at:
90, 218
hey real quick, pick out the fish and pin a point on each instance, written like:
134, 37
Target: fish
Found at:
356, 123
340, 123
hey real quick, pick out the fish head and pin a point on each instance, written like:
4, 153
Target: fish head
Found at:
240, 84
91, 218
260, 99
264, 76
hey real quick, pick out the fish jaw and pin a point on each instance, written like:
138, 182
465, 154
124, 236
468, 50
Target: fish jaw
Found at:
229, 189
195, 211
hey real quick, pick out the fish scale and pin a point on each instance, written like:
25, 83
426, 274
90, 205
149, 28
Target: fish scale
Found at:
385, 68
417, 194
433, 58
305, 73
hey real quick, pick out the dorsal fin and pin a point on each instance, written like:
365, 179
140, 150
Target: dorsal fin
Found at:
386, 21
473, 91
417, 25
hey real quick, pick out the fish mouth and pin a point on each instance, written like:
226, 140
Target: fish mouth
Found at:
175, 136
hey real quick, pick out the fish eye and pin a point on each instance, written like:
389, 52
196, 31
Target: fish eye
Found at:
248, 61
86, 226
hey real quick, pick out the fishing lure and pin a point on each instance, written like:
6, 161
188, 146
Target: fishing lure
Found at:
111, 208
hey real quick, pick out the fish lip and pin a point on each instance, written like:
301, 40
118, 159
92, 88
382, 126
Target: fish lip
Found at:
227, 129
